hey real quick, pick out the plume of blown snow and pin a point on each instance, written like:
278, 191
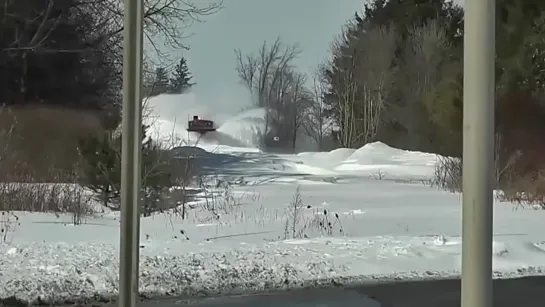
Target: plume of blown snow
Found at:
168, 116
247, 127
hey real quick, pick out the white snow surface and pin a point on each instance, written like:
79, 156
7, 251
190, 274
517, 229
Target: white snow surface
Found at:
244, 233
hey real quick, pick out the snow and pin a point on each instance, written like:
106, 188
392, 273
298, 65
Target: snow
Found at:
245, 233
235, 130
374, 160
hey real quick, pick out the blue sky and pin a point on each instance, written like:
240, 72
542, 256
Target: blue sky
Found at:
245, 24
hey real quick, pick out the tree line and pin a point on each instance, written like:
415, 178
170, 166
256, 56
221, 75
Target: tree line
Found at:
395, 74
60, 89
163, 81
69, 52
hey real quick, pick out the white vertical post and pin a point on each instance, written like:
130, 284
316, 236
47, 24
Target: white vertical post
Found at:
478, 152
131, 153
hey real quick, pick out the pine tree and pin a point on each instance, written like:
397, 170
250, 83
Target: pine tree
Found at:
160, 82
181, 81
101, 169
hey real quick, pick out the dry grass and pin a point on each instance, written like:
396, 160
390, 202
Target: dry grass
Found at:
528, 190
46, 197
41, 197
41, 139
298, 224
21, 134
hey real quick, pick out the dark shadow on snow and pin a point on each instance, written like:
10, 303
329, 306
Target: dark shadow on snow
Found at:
249, 164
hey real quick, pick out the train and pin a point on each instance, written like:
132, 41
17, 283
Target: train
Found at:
200, 125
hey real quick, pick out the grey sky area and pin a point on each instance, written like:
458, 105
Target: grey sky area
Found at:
245, 24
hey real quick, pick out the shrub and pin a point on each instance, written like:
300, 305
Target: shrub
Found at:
448, 174
294, 226
299, 225
526, 190
101, 171
100, 167
46, 197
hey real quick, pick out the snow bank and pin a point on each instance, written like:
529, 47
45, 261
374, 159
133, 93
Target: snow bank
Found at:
380, 153
328, 158
377, 156
60, 274
373, 159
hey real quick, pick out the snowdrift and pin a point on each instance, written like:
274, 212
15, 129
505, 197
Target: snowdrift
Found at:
373, 159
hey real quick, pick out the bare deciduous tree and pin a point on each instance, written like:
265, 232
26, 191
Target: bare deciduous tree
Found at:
342, 77
29, 35
269, 76
293, 102
32, 30
261, 71
362, 86
375, 77
165, 23
316, 123
165, 26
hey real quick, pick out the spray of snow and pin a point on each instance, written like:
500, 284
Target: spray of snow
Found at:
168, 115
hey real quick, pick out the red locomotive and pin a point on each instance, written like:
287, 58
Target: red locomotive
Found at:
200, 125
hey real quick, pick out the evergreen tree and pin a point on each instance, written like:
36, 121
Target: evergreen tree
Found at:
405, 14
520, 47
181, 80
51, 52
160, 82
101, 167
101, 170
402, 17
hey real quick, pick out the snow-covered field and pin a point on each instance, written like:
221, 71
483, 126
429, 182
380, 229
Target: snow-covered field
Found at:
277, 221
